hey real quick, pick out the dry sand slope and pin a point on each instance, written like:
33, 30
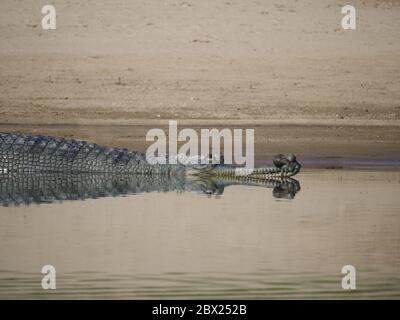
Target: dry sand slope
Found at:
120, 61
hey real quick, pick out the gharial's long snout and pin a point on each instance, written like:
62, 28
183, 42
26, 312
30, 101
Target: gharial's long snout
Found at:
284, 166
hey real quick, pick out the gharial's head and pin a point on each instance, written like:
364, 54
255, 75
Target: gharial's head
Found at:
213, 178
284, 166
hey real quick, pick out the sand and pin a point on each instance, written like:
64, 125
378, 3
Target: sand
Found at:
237, 60
286, 66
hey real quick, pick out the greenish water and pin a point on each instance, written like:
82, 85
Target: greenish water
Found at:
258, 285
243, 244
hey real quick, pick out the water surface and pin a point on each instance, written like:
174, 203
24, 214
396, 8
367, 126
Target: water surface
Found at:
244, 243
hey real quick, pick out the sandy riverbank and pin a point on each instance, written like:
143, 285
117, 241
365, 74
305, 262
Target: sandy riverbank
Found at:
120, 62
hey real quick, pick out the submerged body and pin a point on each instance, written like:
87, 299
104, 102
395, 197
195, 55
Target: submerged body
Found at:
42, 168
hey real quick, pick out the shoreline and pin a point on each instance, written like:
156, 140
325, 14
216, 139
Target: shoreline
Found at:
317, 146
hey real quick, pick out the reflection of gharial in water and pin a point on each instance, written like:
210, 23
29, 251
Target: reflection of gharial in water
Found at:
18, 189
41, 169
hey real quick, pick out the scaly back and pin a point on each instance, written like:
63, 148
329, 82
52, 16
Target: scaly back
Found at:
37, 153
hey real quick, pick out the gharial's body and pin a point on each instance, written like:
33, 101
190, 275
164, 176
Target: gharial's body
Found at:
34, 153
39, 167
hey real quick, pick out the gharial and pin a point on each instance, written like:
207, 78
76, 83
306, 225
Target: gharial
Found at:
34, 168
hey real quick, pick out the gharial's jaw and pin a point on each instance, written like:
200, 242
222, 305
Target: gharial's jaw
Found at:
285, 166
